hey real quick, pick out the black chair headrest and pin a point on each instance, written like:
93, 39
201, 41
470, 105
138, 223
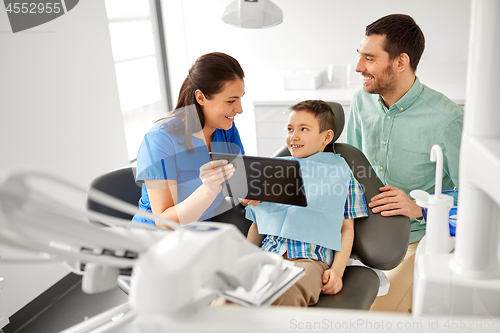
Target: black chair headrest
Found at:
338, 111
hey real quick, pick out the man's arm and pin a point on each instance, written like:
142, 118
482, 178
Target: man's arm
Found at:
450, 143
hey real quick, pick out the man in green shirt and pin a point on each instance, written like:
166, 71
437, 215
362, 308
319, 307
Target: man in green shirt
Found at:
395, 120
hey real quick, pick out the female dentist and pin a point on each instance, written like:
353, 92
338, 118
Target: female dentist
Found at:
180, 182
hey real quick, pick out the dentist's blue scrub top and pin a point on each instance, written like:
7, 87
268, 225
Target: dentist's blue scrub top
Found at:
162, 156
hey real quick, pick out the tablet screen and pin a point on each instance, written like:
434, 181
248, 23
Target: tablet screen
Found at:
264, 179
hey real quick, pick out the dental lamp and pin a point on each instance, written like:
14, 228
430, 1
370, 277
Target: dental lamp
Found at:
252, 14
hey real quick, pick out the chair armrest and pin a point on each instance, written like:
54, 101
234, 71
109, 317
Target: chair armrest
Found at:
379, 241
358, 292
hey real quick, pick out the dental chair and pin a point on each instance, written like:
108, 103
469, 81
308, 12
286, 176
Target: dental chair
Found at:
379, 242
120, 183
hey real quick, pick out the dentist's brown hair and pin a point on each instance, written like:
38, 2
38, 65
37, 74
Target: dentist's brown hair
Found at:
208, 74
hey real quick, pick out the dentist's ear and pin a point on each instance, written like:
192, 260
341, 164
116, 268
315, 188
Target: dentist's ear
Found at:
200, 97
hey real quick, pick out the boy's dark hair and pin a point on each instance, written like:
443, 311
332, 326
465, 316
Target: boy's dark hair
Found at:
402, 35
321, 110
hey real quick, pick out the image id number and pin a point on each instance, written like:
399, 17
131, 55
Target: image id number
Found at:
454, 324
33, 8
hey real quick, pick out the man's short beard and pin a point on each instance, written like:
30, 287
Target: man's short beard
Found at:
388, 86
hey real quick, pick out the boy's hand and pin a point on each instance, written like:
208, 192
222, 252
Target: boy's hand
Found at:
332, 282
246, 202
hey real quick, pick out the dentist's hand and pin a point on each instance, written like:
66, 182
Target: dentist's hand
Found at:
214, 173
393, 201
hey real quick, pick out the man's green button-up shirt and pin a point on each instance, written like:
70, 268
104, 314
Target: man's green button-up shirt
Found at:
397, 140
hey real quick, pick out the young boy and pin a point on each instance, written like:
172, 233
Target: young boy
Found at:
318, 237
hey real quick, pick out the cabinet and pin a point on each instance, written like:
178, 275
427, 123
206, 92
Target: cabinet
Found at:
271, 122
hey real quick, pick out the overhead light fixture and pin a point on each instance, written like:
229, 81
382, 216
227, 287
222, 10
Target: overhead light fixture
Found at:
252, 14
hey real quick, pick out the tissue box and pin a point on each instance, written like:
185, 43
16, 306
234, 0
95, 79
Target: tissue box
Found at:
303, 79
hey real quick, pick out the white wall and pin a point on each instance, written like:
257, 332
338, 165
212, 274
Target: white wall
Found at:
314, 33
59, 112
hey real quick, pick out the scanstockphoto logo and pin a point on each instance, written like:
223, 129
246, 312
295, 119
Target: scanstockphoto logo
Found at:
25, 15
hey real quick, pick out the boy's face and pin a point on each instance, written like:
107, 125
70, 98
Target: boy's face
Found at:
304, 138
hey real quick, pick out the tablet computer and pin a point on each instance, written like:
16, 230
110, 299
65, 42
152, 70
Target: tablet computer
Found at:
264, 179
